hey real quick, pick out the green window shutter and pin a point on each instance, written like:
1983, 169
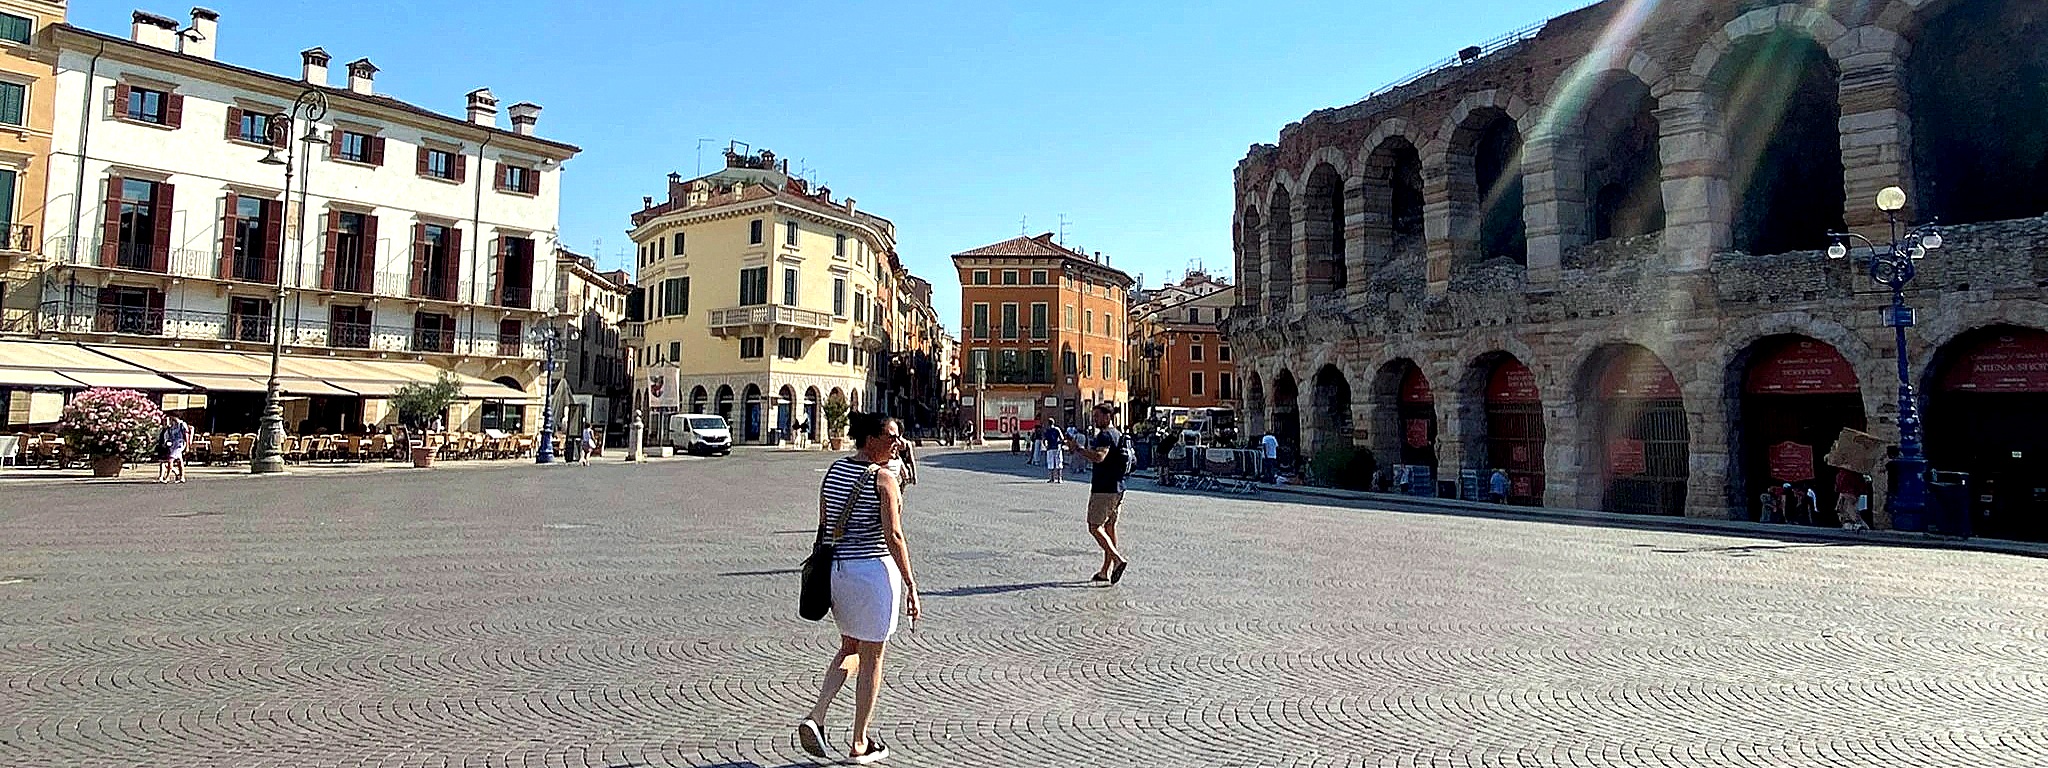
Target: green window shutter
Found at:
13, 103
15, 28
6, 201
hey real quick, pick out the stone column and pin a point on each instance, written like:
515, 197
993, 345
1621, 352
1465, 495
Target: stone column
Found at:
1710, 429
1298, 245
1440, 215
1554, 204
1876, 137
1369, 225
1357, 267
1698, 218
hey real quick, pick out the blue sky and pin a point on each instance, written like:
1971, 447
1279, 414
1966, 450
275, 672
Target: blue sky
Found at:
954, 120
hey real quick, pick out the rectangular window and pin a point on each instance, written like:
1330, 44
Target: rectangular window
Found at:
981, 277
1068, 363
353, 253
436, 263
355, 147
860, 307
981, 321
1089, 325
977, 361
1039, 330
348, 327
248, 319
754, 232
839, 354
839, 246
753, 286
1223, 353
1087, 366
513, 178
1040, 277
252, 249
660, 254
860, 358
254, 127
1040, 363
1105, 366
675, 296
789, 237
1195, 353
789, 292
16, 28
1223, 385
433, 332
149, 106
440, 164
1069, 324
1009, 277
13, 102
1195, 384
789, 348
1194, 314
752, 348
139, 217
1010, 321
678, 249
515, 272
838, 297
512, 339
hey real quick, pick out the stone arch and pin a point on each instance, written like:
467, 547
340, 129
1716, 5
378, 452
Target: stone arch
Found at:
1403, 414
1623, 172
1285, 414
1330, 411
723, 403
785, 417
1976, 81
813, 413
1987, 416
1280, 250
1502, 425
1392, 200
1251, 253
1480, 156
1782, 147
698, 399
1322, 206
1632, 432
753, 414
1254, 404
1768, 415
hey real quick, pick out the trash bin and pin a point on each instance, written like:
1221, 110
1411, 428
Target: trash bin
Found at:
1903, 521
774, 436
1952, 504
1142, 448
572, 449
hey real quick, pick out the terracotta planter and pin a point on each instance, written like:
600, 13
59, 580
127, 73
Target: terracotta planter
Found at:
107, 466
422, 457
838, 443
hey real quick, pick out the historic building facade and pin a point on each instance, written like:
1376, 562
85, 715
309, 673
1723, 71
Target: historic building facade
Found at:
170, 226
1592, 254
594, 384
1179, 355
1043, 334
765, 297
28, 97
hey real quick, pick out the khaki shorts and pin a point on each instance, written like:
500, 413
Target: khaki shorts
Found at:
1103, 508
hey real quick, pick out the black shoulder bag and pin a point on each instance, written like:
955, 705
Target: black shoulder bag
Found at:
815, 600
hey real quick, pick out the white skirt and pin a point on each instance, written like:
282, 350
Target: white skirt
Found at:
867, 596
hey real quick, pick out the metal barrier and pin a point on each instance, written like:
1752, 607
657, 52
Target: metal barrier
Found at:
1211, 469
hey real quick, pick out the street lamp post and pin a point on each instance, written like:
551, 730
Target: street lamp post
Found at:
550, 337
268, 454
1892, 265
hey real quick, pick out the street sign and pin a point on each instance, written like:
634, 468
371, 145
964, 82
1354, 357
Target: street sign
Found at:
1897, 317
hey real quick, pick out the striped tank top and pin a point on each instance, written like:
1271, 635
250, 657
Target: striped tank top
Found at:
863, 537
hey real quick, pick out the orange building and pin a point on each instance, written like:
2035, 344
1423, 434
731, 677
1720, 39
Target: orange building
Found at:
1181, 358
1043, 330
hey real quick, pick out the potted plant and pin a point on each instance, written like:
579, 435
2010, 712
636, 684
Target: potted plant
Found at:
110, 427
836, 413
418, 404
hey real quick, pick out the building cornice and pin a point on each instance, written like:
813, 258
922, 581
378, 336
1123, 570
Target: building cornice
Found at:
881, 242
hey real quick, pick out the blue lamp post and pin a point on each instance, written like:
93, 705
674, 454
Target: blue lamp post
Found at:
1892, 266
550, 339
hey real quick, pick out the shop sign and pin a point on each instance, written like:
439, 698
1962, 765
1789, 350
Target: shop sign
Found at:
1626, 457
1417, 433
1805, 367
1512, 382
1641, 378
1791, 462
2012, 362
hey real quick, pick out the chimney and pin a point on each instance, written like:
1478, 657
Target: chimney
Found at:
315, 63
154, 31
524, 115
849, 205
768, 159
361, 73
646, 201
204, 35
483, 107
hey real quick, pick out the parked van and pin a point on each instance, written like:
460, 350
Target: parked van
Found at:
700, 433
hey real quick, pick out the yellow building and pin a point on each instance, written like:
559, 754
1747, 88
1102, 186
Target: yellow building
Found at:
27, 102
763, 298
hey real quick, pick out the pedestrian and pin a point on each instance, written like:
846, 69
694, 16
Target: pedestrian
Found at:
871, 580
173, 438
1270, 446
1055, 457
1038, 445
1111, 455
1851, 488
589, 445
1498, 484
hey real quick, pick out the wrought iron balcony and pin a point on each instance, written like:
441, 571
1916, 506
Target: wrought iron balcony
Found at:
770, 320
19, 238
88, 318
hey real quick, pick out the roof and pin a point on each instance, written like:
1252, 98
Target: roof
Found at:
334, 93
1041, 246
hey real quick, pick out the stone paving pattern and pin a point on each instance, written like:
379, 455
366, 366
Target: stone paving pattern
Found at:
627, 616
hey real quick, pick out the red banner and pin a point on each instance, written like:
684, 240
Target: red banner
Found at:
1626, 457
1804, 367
1641, 378
1415, 388
1791, 462
1417, 433
2006, 363
1512, 382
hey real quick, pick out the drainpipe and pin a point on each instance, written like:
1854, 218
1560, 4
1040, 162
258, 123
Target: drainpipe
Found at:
78, 191
476, 230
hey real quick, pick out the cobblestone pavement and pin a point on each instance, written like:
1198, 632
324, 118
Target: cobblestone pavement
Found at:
625, 616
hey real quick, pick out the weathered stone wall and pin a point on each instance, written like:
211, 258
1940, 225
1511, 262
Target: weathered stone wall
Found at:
1681, 293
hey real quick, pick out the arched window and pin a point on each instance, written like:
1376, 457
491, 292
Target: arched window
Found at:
1780, 99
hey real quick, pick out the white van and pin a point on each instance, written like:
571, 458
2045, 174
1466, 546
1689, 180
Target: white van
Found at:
700, 433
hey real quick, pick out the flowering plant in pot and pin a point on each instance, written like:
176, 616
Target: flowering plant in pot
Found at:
111, 426
418, 404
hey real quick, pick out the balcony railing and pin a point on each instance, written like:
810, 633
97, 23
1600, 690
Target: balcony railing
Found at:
87, 318
516, 297
18, 238
392, 278
769, 317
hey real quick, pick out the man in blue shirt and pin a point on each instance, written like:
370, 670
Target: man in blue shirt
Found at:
1111, 458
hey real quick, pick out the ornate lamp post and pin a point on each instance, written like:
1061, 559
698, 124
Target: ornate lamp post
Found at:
551, 339
268, 455
1892, 266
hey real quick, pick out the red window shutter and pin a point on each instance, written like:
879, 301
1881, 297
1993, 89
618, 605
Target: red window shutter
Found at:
174, 110
334, 143
273, 239
227, 237
420, 153
448, 332
461, 162
234, 130
110, 224
419, 257
453, 277
533, 182
376, 150
160, 261
504, 250
368, 275
156, 312
498, 176
121, 93
328, 251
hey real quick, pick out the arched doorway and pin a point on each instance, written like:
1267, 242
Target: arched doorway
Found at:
697, 399
1624, 172
1287, 416
1987, 415
1487, 175
1636, 433
1254, 408
1798, 394
1405, 425
811, 413
1980, 136
1323, 232
1514, 433
1331, 421
725, 403
754, 415
1251, 270
785, 411
1780, 101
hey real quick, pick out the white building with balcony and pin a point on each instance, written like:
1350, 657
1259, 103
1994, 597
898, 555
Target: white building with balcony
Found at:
422, 237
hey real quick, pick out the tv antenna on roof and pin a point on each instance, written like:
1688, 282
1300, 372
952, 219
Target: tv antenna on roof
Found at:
1063, 229
1024, 225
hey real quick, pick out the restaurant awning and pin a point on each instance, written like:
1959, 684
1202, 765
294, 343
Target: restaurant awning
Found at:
222, 383
35, 377
299, 375
63, 365
126, 380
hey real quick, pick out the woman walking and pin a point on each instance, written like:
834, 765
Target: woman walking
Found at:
871, 580
176, 436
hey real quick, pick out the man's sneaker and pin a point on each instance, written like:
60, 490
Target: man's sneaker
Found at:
877, 752
812, 738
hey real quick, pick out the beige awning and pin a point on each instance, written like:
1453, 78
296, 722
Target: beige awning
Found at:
297, 386
126, 380
36, 377
491, 390
63, 365
223, 383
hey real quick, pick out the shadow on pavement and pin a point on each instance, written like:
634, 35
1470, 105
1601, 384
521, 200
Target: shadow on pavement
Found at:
1004, 589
